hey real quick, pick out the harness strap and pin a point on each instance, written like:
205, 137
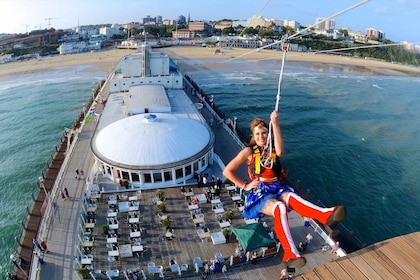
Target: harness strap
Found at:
257, 160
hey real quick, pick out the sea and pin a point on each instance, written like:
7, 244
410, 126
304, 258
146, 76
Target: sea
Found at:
351, 138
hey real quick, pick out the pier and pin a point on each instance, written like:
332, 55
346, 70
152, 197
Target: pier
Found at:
61, 227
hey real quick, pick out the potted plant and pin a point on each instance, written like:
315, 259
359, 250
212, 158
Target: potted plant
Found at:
229, 214
84, 272
226, 233
162, 207
105, 229
160, 194
166, 222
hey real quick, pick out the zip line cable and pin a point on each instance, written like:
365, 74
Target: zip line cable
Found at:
243, 30
267, 160
303, 30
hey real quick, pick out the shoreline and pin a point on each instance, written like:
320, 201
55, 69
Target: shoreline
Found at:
357, 65
106, 60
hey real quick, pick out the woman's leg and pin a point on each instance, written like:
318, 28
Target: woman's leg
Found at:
282, 229
307, 209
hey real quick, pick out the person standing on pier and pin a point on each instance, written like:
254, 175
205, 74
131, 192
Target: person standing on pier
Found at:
43, 246
269, 193
63, 195
36, 244
66, 192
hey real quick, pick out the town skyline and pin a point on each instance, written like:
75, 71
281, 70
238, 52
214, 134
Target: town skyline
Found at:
385, 16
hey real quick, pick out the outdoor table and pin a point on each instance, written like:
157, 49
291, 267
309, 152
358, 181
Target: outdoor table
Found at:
193, 206
111, 214
215, 201
86, 260
125, 251
133, 197
133, 220
224, 224
112, 202
87, 244
135, 234
111, 240
198, 220
236, 198
95, 196
113, 253
89, 225
201, 198
188, 194
203, 234
113, 226
137, 248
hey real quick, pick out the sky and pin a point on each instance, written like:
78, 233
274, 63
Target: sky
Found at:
399, 19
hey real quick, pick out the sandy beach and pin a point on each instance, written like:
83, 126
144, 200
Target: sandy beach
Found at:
107, 59
362, 66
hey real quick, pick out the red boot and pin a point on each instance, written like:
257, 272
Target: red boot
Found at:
281, 227
328, 216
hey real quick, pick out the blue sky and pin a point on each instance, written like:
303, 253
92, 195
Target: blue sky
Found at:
399, 19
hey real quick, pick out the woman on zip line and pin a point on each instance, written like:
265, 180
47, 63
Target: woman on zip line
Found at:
268, 192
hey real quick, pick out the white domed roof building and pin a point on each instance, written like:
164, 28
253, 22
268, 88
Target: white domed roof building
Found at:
150, 135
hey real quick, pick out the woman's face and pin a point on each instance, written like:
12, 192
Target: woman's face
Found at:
260, 135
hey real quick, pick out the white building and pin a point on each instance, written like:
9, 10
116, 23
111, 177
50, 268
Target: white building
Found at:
291, 23
150, 133
326, 25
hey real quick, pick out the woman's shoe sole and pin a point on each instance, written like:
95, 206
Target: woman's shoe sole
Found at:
295, 263
337, 216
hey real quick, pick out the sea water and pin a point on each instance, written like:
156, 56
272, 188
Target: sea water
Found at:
350, 138
34, 110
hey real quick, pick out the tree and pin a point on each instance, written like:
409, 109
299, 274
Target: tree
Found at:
228, 31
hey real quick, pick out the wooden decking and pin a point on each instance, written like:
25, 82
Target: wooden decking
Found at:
396, 258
